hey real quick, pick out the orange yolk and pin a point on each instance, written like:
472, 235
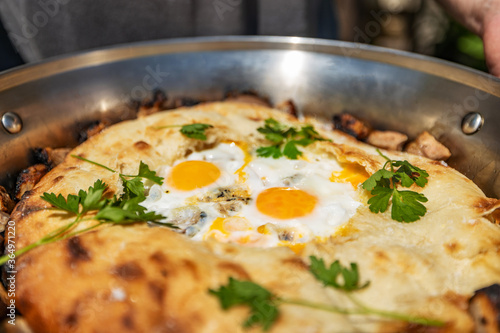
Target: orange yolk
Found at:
218, 224
190, 175
352, 173
297, 247
242, 176
263, 230
285, 203
346, 230
228, 225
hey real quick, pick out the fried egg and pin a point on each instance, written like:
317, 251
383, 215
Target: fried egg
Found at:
229, 194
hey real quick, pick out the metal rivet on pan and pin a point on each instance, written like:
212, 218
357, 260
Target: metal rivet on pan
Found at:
472, 123
12, 122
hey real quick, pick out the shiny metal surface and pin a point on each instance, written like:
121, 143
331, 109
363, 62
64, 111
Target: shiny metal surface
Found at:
390, 89
472, 123
12, 123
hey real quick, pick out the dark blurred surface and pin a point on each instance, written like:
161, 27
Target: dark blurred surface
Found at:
8, 55
462, 46
410, 25
422, 27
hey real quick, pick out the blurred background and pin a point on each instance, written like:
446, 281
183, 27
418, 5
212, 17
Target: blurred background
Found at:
419, 26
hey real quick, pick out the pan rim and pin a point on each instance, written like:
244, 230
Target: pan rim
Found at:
121, 52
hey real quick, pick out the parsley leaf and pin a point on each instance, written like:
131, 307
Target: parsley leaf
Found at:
133, 188
273, 130
372, 182
383, 186
115, 214
92, 199
69, 204
270, 151
89, 200
125, 215
411, 173
406, 206
145, 172
195, 131
310, 132
285, 140
380, 200
330, 276
291, 150
263, 311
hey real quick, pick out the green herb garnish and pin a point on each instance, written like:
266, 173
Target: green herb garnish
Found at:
193, 131
286, 139
125, 209
264, 305
383, 185
330, 276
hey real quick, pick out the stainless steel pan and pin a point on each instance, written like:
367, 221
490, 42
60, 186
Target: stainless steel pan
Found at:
391, 89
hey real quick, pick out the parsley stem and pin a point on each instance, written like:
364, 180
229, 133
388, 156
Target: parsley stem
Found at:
82, 230
5, 258
103, 166
61, 230
395, 315
121, 174
92, 162
388, 161
363, 310
47, 239
386, 158
318, 306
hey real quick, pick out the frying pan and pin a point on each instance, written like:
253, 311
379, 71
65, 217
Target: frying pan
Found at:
45, 104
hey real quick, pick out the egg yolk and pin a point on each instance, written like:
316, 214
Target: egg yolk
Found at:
296, 247
285, 203
218, 225
346, 230
352, 173
242, 175
190, 175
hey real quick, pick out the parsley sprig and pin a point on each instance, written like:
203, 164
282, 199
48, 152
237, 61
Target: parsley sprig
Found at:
383, 185
286, 139
264, 305
330, 276
125, 209
193, 131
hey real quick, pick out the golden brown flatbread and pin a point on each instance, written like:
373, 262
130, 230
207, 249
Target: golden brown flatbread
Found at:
137, 278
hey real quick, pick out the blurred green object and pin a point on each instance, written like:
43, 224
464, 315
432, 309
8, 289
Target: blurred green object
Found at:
462, 46
471, 45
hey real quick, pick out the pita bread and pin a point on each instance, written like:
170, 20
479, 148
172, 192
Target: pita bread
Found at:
142, 279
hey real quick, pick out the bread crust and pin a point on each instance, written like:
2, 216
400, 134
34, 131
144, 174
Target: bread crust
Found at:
141, 279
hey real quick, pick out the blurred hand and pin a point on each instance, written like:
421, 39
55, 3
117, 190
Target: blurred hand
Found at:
491, 37
483, 18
